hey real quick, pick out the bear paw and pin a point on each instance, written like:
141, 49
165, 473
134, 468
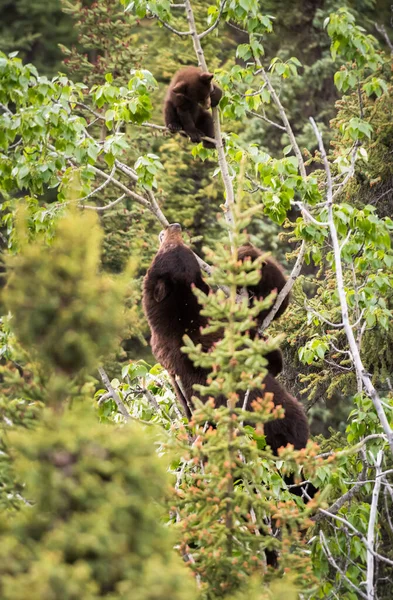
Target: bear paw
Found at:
174, 127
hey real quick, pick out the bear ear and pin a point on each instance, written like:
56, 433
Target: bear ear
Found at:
207, 76
160, 291
180, 88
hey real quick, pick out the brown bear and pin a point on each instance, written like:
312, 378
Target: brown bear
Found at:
273, 278
189, 94
173, 311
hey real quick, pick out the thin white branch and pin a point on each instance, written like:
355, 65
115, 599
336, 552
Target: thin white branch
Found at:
371, 528
152, 400
284, 118
216, 22
264, 118
349, 525
140, 199
103, 208
333, 563
6, 109
302, 169
169, 27
115, 396
381, 29
165, 129
353, 449
358, 364
350, 173
308, 216
322, 318
286, 289
102, 186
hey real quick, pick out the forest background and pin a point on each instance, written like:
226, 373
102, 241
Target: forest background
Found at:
47, 171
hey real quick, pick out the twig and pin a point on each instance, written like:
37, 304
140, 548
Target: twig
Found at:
321, 317
384, 559
333, 563
263, 118
358, 446
152, 400
334, 508
6, 109
104, 398
371, 528
115, 396
286, 289
169, 27
102, 186
216, 22
284, 118
356, 358
381, 29
182, 132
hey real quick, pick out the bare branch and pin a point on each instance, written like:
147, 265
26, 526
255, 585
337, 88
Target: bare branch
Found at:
344, 498
381, 29
286, 289
216, 22
170, 28
321, 317
333, 563
115, 396
371, 528
5, 109
102, 186
140, 199
103, 208
302, 252
307, 215
284, 118
264, 118
182, 132
152, 400
349, 525
353, 449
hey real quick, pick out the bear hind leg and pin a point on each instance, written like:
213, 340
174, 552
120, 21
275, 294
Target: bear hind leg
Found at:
205, 125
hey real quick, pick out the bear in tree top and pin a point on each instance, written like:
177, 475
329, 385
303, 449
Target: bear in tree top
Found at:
189, 95
173, 311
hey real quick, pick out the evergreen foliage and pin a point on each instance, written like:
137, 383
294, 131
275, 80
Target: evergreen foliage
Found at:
62, 309
92, 526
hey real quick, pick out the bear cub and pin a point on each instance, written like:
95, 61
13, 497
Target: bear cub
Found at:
189, 96
173, 311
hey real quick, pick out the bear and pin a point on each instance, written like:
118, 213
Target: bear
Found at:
273, 279
189, 94
172, 311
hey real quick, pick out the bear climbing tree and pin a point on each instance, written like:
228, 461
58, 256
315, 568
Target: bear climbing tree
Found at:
189, 95
173, 311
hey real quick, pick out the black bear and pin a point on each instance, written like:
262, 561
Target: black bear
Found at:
189, 94
172, 311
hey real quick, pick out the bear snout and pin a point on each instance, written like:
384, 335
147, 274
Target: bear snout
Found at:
171, 234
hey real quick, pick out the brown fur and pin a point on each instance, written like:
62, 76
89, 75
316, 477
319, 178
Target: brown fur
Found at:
173, 311
189, 94
273, 278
